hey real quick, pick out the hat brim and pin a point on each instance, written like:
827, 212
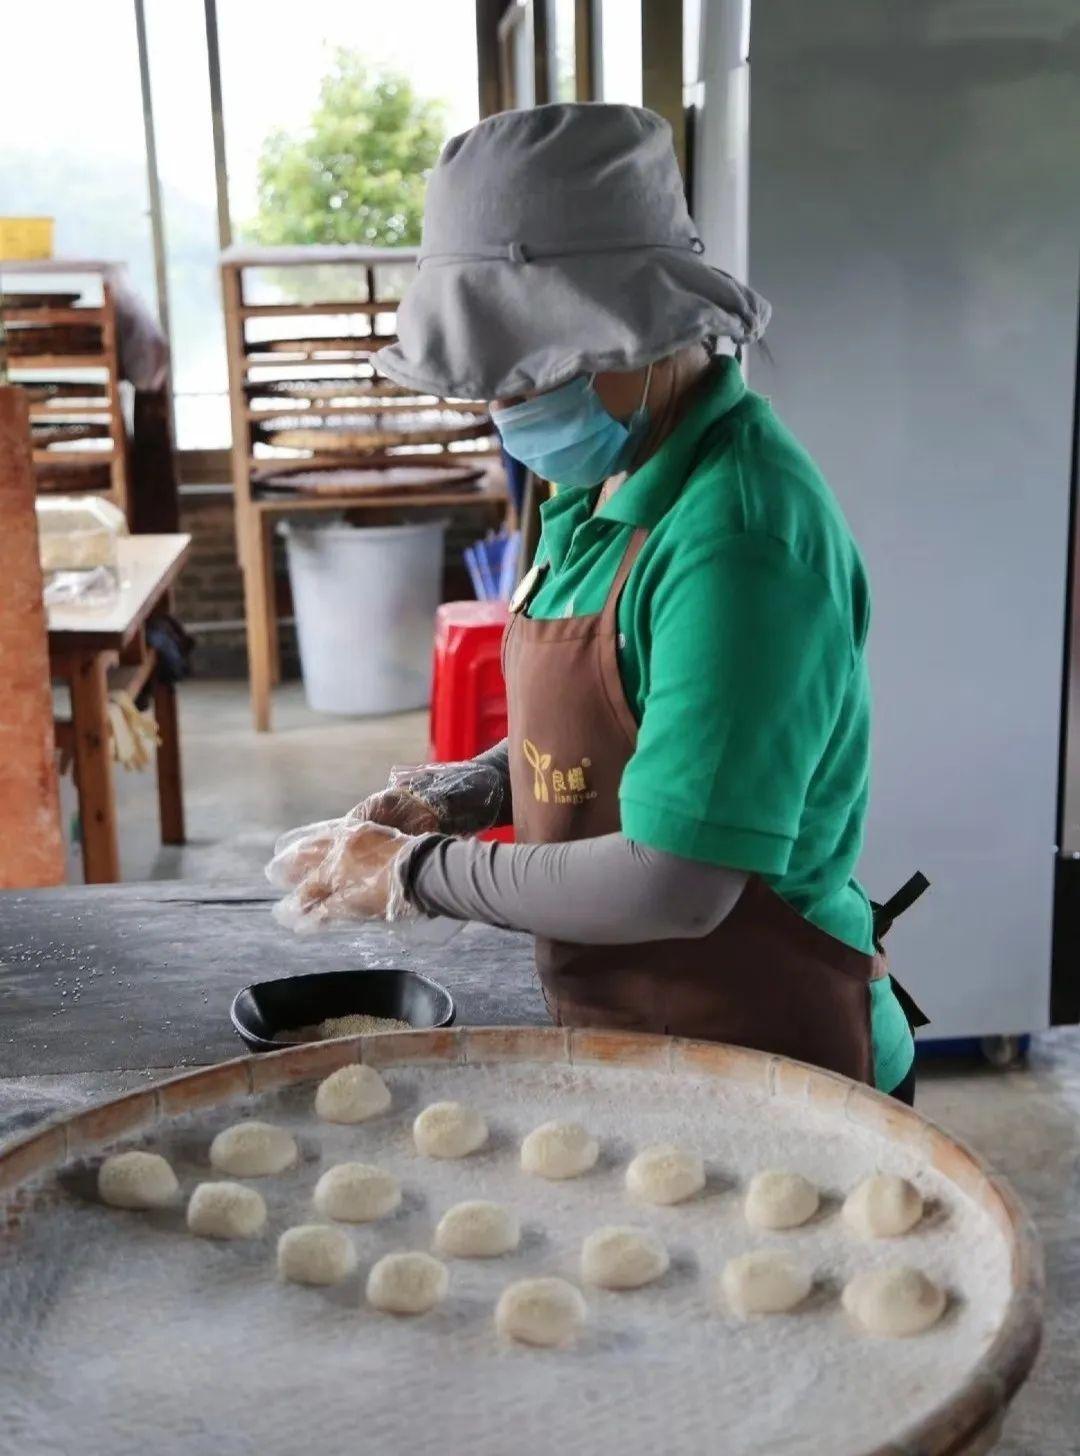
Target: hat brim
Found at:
491, 328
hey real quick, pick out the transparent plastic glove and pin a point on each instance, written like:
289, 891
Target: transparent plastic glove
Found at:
300, 851
452, 798
358, 879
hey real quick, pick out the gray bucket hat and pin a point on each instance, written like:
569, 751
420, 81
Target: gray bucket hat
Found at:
557, 242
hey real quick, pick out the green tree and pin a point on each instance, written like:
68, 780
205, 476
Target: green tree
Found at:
357, 172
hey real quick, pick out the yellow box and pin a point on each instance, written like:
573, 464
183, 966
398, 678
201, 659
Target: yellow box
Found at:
25, 238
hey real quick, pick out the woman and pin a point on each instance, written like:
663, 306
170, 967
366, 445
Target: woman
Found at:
687, 759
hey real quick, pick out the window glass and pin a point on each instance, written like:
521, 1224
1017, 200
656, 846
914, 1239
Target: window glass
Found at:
74, 148
180, 86
563, 50
620, 50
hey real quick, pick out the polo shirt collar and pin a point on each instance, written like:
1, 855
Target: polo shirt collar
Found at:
561, 515
645, 497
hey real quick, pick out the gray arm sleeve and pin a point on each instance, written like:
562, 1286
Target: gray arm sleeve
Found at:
498, 758
602, 891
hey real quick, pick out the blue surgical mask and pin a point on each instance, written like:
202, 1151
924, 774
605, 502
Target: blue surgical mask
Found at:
568, 437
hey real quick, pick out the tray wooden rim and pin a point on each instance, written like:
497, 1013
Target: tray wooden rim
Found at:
958, 1425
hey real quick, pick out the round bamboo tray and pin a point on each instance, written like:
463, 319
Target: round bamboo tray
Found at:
360, 408
369, 386
45, 434
376, 430
392, 480
317, 348
40, 1175
56, 390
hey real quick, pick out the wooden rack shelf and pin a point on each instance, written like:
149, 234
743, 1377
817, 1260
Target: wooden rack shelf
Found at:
271, 365
44, 316
55, 462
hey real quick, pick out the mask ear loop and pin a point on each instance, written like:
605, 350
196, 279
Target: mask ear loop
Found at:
645, 391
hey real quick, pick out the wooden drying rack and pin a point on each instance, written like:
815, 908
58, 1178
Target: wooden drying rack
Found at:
250, 362
80, 465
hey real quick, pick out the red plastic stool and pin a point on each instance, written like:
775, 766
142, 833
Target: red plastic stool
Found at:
468, 695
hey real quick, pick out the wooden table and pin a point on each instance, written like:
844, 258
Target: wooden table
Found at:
99, 985
85, 645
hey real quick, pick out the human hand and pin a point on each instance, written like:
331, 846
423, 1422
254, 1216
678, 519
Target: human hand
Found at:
300, 851
449, 798
397, 807
355, 880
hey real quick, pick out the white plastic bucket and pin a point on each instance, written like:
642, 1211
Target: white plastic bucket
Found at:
365, 599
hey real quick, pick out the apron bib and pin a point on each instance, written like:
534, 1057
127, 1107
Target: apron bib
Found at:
764, 978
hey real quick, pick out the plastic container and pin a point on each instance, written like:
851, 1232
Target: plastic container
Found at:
26, 238
365, 600
468, 699
77, 533
468, 695
77, 538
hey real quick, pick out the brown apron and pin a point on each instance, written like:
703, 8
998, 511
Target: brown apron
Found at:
765, 977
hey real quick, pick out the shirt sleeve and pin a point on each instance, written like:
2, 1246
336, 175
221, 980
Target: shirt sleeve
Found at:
748, 662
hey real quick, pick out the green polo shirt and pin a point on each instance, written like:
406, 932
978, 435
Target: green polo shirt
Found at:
742, 634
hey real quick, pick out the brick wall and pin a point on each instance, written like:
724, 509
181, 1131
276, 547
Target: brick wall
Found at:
210, 592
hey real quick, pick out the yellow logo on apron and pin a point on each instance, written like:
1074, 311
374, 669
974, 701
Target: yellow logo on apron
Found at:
539, 763
568, 786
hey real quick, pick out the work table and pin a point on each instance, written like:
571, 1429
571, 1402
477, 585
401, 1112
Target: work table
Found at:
104, 987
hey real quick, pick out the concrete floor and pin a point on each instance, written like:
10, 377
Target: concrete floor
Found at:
243, 789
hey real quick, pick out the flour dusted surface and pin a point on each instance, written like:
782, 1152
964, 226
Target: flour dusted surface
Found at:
122, 1328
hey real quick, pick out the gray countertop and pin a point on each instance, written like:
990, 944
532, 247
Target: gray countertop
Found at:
104, 986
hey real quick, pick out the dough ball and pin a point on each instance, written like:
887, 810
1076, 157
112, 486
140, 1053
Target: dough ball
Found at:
883, 1206
664, 1173
622, 1258
896, 1301
407, 1283
477, 1230
540, 1312
252, 1150
137, 1180
764, 1282
352, 1094
226, 1211
777, 1200
559, 1150
449, 1130
311, 1253
356, 1193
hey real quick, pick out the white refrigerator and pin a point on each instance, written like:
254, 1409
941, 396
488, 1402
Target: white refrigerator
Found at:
914, 217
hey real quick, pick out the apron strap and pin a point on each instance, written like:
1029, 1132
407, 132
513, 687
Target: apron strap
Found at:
905, 897
916, 1016
611, 606
884, 915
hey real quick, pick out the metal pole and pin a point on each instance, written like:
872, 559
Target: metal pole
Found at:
153, 183
217, 116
